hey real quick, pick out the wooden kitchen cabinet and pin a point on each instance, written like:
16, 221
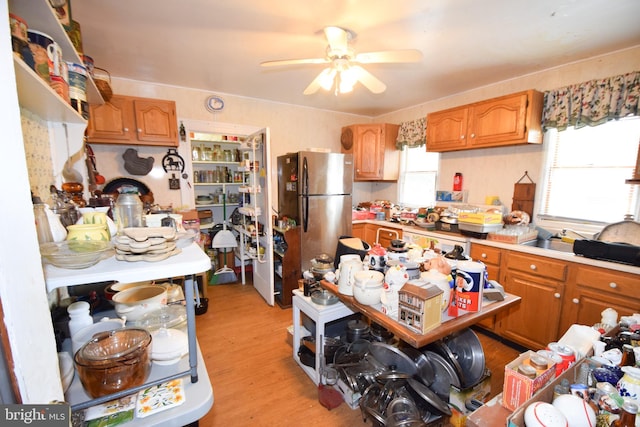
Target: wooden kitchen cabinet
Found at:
357, 230
287, 266
381, 234
373, 146
508, 120
593, 289
133, 121
491, 257
539, 281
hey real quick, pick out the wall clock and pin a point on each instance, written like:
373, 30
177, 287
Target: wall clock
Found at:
214, 103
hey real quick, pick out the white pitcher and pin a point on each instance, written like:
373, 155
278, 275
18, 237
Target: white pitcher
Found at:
346, 275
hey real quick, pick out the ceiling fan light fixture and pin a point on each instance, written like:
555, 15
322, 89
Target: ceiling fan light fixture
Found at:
348, 79
326, 78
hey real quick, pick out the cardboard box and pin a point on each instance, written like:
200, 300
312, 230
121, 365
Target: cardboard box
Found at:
480, 218
516, 419
518, 388
189, 215
457, 398
420, 308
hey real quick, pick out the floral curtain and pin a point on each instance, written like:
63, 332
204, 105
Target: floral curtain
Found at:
412, 133
592, 103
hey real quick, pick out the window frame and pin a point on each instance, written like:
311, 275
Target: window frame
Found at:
558, 223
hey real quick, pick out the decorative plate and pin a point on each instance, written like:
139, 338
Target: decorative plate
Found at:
214, 103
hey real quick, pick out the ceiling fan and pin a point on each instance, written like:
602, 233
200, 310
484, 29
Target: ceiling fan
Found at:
344, 69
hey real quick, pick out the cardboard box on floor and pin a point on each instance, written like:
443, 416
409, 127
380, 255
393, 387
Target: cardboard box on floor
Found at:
495, 414
518, 388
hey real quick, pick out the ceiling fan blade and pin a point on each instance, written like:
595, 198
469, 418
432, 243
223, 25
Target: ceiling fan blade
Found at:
403, 55
338, 38
325, 78
294, 62
368, 80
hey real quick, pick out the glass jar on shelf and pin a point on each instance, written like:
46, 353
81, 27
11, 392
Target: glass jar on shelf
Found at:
207, 154
217, 153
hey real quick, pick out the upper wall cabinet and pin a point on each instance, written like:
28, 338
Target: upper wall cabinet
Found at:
508, 120
133, 121
373, 146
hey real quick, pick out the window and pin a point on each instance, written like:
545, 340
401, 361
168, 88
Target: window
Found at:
585, 173
418, 172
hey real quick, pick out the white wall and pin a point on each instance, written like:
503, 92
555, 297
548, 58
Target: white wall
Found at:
22, 290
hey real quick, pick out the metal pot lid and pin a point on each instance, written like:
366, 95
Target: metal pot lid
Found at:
425, 370
383, 377
323, 297
445, 375
357, 326
393, 357
467, 350
441, 348
431, 398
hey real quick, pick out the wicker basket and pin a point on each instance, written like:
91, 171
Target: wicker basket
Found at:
102, 79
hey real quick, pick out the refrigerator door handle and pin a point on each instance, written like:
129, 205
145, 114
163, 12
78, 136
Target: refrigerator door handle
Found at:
305, 195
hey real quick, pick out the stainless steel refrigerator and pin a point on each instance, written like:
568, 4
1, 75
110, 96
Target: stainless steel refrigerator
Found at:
314, 188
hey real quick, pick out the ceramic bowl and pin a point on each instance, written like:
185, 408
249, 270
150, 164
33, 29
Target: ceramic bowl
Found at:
134, 303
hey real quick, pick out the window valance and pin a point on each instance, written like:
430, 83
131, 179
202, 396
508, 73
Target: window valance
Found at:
592, 103
412, 133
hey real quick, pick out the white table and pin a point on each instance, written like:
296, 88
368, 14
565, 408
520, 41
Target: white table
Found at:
321, 315
190, 262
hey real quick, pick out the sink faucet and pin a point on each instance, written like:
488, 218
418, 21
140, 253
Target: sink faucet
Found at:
568, 230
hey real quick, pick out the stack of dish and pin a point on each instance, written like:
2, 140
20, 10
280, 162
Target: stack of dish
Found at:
146, 244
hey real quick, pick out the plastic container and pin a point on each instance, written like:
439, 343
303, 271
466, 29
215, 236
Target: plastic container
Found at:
79, 317
129, 211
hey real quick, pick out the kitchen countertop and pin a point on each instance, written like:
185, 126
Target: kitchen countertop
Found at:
565, 256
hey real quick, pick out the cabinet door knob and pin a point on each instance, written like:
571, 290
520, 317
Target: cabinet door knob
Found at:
139, 130
576, 301
613, 285
557, 295
473, 135
126, 129
483, 256
461, 136
533, 267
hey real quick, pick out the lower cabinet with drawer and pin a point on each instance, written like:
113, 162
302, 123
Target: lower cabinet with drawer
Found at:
382, 235
593, 289
540, 281
491, 257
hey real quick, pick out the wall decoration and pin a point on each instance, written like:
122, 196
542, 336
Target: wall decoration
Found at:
172, 161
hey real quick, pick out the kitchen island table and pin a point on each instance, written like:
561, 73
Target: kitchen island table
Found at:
448, 326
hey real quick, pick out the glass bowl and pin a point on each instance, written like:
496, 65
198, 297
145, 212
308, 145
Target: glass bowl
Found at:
74, 254
114, 360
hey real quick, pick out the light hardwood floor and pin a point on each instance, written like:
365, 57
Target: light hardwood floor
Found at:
255, 380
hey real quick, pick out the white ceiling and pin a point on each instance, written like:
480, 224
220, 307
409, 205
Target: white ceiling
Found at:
217, 45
